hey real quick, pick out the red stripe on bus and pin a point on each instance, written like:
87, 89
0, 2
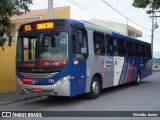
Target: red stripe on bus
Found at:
130, 71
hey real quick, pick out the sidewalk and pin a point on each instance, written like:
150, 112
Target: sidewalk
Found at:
8, 98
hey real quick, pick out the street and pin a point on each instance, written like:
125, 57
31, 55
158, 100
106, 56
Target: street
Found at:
144, 97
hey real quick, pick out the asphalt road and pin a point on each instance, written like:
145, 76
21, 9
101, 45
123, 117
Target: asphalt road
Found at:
145, 97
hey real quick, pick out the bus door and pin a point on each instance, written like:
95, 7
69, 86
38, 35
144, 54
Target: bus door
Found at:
79, 55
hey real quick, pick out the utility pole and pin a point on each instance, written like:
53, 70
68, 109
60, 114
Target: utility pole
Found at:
154, 26
152, 37
50, 9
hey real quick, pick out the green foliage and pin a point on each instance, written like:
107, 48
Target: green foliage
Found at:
150, 4
9, 8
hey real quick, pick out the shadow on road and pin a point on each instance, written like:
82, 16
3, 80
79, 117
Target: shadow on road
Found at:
62, 101
111, 90
57, 100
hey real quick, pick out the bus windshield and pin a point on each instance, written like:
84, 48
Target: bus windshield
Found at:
43, 49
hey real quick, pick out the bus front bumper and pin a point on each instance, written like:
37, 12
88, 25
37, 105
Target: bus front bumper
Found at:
60, 89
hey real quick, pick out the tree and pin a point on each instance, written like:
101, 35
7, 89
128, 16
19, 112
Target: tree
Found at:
150, 4
9, 8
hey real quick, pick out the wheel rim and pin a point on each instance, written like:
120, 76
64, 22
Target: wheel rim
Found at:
95, 87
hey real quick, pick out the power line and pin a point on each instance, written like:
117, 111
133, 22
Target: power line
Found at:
96, 14
93, 13
124, 15
87, 10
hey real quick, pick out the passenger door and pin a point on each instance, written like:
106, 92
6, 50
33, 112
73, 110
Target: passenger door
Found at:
80, 54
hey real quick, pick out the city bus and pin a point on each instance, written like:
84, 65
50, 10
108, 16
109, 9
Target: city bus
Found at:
65, 57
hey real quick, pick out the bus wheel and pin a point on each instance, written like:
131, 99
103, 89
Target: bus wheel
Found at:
95, 89
138, 79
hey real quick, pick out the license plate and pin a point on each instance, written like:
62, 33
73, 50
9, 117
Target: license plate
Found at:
37, 89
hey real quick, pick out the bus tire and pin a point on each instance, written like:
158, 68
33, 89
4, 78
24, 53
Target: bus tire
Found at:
138, 78
95, 88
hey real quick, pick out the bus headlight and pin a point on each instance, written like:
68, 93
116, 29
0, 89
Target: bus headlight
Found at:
61, 81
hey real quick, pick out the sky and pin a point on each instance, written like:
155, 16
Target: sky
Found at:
97, 9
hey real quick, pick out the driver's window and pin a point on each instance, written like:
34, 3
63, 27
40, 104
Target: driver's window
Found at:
79, 45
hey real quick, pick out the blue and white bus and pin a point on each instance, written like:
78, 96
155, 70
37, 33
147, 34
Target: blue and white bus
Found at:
65, 57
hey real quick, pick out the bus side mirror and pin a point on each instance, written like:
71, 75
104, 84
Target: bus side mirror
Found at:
10, 41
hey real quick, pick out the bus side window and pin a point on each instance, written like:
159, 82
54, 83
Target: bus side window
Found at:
122, 47
130, 48
111, 46
137, 50
99, 47
79, 45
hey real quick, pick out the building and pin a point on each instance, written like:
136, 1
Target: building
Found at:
118, 27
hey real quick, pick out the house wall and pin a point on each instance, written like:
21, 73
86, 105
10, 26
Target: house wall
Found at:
7, 69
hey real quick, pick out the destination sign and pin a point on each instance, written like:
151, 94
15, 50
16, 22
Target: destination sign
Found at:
46, 25
39, 26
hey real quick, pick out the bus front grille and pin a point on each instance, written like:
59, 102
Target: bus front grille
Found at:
38, 75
